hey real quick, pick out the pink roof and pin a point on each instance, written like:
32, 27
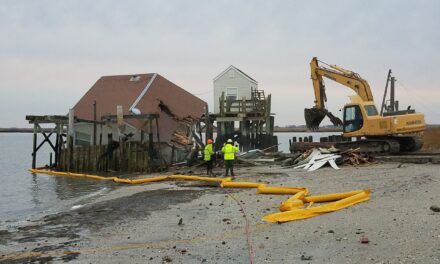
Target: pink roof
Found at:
110, 91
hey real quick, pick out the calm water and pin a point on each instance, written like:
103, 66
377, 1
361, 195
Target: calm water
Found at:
25, 196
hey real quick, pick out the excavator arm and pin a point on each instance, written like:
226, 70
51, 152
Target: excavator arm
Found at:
315, 115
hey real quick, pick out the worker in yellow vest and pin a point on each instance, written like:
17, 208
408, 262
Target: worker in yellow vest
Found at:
229, 151
208, 154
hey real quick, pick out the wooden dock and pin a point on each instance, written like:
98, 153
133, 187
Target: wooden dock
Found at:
117, 156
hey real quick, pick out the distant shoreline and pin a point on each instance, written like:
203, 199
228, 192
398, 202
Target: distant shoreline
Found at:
21, 130
303, 129
16, 130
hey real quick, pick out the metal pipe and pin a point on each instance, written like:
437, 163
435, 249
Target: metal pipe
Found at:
385, 93
392, 104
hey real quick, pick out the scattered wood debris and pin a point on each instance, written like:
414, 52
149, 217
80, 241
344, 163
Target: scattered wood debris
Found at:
180, 137
356, 158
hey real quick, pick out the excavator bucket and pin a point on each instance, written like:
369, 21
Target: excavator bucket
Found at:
315, 116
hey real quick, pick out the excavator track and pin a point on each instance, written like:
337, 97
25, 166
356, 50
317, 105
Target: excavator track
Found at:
409, 143
371, 145
391, 144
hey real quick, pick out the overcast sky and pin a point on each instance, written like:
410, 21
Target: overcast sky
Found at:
52, 52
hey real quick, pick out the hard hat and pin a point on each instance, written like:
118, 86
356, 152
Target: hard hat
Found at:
229, 141
209, 141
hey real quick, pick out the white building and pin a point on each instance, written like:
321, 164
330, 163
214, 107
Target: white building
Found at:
235, 84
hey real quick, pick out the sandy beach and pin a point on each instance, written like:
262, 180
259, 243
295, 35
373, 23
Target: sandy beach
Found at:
193, 222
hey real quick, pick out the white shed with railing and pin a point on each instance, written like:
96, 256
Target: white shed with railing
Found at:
235, 84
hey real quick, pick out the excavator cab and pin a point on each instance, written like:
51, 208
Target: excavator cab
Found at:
353, 119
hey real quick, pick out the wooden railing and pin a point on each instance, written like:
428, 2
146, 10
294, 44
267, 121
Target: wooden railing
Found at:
255, 106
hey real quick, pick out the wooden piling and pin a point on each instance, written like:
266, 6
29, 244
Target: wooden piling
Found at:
34, 148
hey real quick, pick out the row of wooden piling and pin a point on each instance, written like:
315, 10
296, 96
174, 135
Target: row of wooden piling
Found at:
301, 144
331, 138
129, 157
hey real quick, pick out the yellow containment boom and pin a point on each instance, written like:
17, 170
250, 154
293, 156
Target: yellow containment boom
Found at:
292, 209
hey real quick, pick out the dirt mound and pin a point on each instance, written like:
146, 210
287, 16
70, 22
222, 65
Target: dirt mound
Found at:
431, 139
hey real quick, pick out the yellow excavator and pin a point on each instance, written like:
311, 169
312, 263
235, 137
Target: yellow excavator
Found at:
392, 132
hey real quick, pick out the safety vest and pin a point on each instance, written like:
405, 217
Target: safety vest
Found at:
229, 151
208, 152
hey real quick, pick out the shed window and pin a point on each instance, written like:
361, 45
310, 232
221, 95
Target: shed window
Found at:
231, 93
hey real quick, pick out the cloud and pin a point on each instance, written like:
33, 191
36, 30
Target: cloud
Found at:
53, 51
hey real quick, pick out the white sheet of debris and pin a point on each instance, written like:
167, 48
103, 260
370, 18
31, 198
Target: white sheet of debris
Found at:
316, 160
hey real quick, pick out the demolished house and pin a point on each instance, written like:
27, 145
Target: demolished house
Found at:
151, 108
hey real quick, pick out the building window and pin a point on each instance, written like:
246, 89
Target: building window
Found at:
231, 74
82, 139
231, 93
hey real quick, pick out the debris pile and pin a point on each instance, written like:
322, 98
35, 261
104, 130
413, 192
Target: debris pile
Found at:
316, 158
310, 160
356, 158
266, 156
